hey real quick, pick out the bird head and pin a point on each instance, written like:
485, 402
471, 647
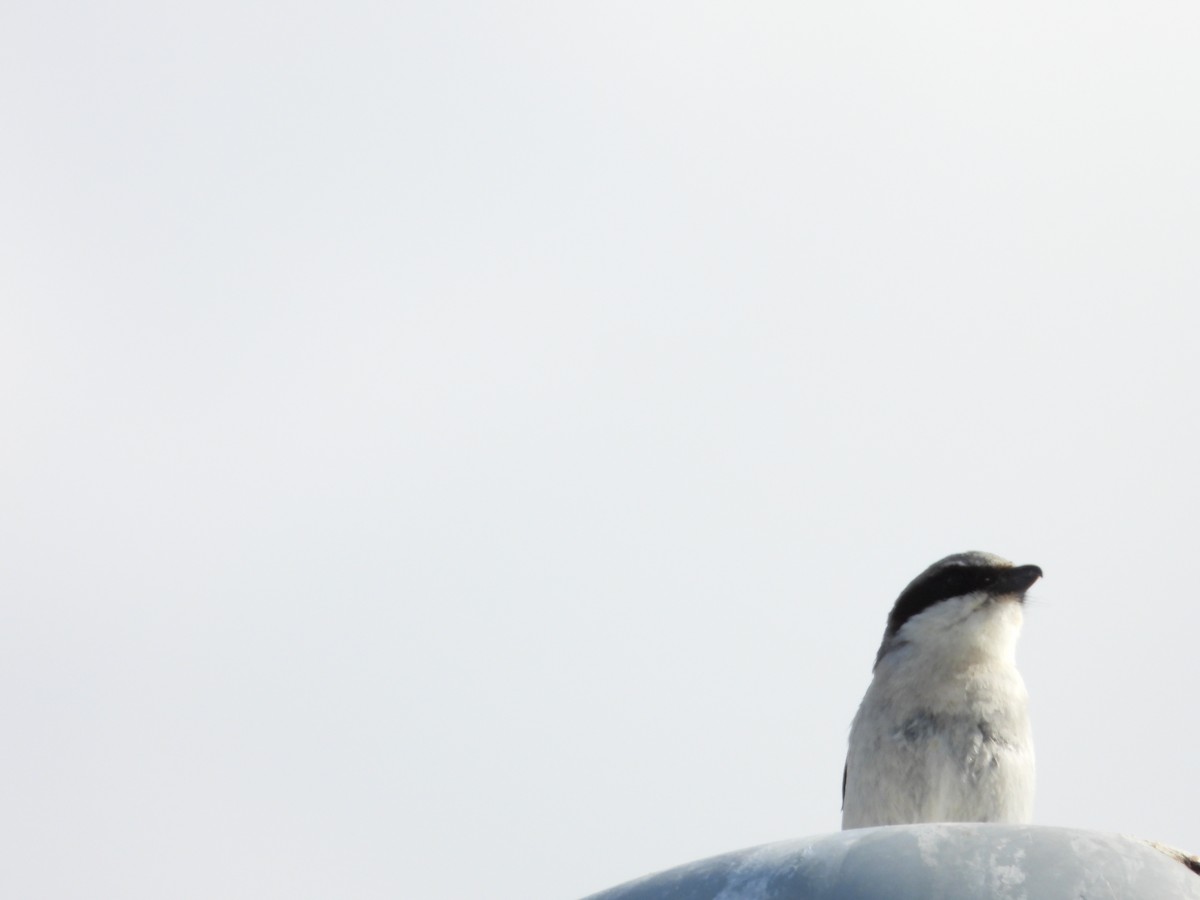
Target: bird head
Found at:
966, 603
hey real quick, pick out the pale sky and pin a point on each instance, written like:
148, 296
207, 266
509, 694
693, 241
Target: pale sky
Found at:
470, 450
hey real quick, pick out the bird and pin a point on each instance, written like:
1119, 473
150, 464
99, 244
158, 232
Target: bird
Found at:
943, 732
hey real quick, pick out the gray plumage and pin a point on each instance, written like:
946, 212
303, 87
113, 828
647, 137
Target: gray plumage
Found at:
942, 734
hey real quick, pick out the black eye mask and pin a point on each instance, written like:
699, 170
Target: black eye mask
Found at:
956, 581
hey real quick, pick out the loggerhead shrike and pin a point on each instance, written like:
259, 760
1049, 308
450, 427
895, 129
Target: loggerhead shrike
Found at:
942, 734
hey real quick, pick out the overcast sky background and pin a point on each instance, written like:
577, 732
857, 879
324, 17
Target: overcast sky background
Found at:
470, 450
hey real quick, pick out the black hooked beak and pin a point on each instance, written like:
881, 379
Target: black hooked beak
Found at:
1016, 580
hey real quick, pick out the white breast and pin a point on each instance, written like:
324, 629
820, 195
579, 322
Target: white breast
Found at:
943, 733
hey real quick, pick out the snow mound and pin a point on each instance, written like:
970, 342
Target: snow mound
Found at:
955, 861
